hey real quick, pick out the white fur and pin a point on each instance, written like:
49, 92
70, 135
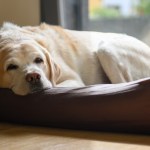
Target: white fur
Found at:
84, 58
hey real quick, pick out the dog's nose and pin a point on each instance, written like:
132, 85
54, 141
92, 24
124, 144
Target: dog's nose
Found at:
33, 77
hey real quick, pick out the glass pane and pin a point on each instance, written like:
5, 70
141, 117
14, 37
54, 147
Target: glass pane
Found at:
130, 17
118, 8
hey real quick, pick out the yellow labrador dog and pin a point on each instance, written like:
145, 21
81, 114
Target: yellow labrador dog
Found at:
33, 58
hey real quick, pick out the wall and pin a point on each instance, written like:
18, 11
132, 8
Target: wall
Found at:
21, 12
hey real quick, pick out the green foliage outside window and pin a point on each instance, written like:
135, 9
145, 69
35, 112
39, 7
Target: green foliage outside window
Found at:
104, 13
144, 7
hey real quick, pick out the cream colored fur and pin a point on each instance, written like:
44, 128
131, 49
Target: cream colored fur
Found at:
70, 58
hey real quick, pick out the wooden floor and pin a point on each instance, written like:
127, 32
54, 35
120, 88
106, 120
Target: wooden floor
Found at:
15, 137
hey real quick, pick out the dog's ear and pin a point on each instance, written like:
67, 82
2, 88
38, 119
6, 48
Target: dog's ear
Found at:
54, 70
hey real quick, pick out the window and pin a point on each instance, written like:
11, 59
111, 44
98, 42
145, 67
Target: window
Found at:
131, 17
118, 9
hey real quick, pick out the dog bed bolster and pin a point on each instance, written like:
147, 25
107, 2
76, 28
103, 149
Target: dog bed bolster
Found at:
121, 107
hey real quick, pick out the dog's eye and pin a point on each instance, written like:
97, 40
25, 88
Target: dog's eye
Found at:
12, 67
38, 60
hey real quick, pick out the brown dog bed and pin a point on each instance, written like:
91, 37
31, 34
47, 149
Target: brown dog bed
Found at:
107, 107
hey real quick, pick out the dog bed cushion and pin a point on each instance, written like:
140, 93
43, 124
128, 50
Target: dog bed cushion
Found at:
121, 107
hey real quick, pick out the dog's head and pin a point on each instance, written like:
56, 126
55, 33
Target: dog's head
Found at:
25, 64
